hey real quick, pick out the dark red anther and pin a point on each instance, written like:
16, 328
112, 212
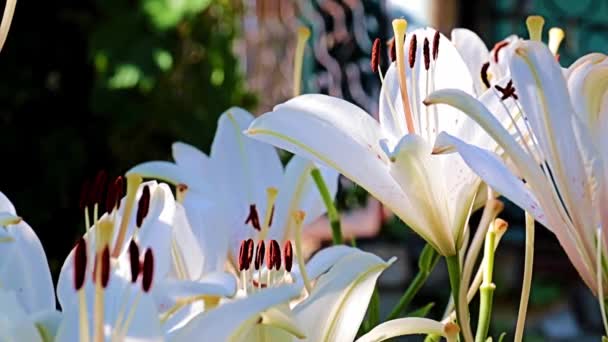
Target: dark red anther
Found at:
119, 190
426, 52
412, 51
84, 194
98, 187
275, 255
148, 271
249, 250
436, 39
260, 252
484, 75
392, 51
271, 216
497, 47
80, 263
242, 255
143, 206
134, 260
508, 91
105, 266
375, 61
288, 255
253, 218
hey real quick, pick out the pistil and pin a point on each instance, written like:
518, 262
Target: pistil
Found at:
303, 35
133, 182
298, 218
399, 28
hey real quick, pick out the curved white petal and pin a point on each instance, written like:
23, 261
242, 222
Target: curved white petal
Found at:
420, 177
165, 171
402, 327
338, 134
191, 159
15, 323
335, 308
230, 319
299, 192
6, 205
24, 269
120, 297
493, 171
474, 53
243, 171
208, 223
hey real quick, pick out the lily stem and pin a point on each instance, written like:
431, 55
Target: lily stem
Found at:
453, 264
332, 212
428, 259
486, 292
527, 279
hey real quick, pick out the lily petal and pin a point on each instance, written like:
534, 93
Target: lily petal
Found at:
331, 131
229, 320
15, 324
474, 53
165, 171
6, 205
335, 308
24, 269
246, 168
402, 327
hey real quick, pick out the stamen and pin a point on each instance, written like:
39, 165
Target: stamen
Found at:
134, 260
275, 253
508, 91
556, 36
392, 52
288, 256
249, 251
253, 218
535, 25
133, 182
399, 28
271, 198
412, 52
80, 263
242, 260
303, 35
260, 253
270, 257
111, 198
436, 39
497, 47
105, 266
181, 190
484, 74
80, 267
143, 206
426, 53
84, 195
375, 60
148, 271
298, 218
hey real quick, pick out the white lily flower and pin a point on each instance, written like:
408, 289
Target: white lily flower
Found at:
345, 279
253, 196
564, 113
392, 159
24, 268
159, 224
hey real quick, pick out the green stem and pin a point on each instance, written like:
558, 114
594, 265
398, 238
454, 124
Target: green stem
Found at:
486, 291
332, 212
453, 264
429, 259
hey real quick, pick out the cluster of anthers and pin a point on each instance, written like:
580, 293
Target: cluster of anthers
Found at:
251, 264
92, 196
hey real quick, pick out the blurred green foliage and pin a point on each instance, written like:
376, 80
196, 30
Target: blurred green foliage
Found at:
88, 85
